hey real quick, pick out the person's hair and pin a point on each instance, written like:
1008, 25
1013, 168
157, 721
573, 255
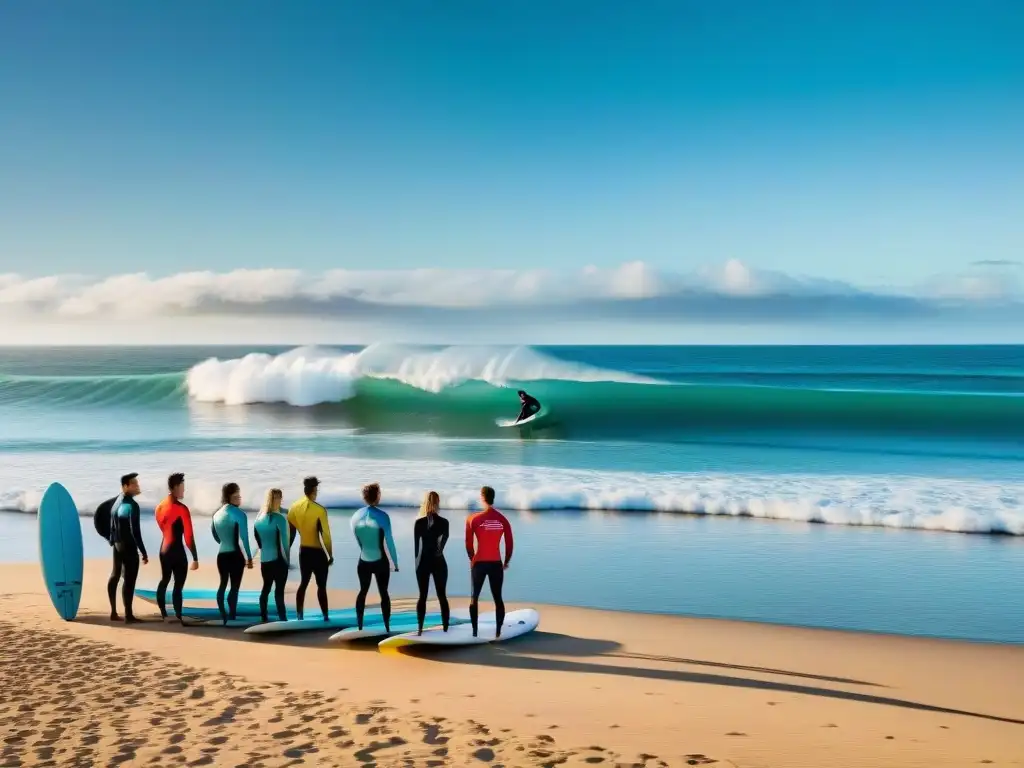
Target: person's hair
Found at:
521, 392
175, 480
227, 491
431, 503
488, 493
270, 498
309, 484
125, 479
371, 493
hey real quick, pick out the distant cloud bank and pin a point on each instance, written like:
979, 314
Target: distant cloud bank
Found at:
988, 291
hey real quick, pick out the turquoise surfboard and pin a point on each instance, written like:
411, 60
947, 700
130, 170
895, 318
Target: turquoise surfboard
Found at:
198, 593
343, 617
60, 550
398, 625
314, 622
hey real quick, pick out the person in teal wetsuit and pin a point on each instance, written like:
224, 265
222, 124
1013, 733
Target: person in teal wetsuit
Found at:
372, 529
271, 532
230, 526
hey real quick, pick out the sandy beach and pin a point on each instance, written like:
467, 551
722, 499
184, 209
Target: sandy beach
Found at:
588, 688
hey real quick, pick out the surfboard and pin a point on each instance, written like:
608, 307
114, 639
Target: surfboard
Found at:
516, 624
204, 612
200, 611
239, 623
248, 601
198, 593
340, 619
60, 550
400, 624
529, 420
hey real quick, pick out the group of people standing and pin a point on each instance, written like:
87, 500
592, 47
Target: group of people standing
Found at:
275, 529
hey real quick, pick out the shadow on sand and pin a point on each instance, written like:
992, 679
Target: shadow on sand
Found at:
553, 652
549, 652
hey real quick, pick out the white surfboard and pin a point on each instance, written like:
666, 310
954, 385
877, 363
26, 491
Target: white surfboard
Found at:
516, 624
533, 419
314, 622
399, 625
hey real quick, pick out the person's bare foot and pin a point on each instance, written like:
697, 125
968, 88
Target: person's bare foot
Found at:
131, 620
114, 616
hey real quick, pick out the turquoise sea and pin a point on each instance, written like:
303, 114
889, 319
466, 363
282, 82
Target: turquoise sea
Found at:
676, 479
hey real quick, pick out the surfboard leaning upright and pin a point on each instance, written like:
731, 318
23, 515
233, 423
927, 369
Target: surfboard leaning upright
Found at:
60, 550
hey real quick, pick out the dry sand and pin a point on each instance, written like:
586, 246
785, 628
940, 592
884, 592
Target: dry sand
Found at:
588, 688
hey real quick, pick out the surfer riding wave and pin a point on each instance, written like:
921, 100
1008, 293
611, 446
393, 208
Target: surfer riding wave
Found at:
531, 406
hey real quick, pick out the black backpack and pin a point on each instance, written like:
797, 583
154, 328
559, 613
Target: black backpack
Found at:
101, 518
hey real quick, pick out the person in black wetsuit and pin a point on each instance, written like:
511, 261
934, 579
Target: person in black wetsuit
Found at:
126, 541
531, 405
430, 534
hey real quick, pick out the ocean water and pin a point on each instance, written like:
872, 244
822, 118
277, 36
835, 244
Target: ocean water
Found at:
861, 439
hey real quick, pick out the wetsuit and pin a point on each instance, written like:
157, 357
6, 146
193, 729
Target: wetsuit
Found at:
309, 520
488, 528
430, 534
530, 406
271, 532
372, 529
230, 525
175, 522
126, 540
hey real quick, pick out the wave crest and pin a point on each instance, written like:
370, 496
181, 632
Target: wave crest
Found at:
312, 375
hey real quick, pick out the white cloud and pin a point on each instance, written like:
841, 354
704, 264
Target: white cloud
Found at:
459, 300
986, 282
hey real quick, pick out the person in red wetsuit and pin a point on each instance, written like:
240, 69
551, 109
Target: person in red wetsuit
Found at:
175, 523
488, 528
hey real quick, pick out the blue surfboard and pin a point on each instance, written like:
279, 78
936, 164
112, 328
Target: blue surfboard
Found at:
60, 550
314, 621
248, 600
197, 593
244, 607
346, 616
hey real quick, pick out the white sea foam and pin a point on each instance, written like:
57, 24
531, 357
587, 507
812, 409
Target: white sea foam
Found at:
966, 506
311, 375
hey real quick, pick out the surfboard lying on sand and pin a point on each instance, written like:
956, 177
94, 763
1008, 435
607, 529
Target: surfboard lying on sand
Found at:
213, 613
516, 624
314, 621
60, 550
244, 607
400, 624
239, 623
198, 593
525, 422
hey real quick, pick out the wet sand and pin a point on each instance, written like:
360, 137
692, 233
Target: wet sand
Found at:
588, 688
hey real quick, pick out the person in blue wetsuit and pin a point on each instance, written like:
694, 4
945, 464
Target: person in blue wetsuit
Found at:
271, 532
372, 529
230, 526
126, 542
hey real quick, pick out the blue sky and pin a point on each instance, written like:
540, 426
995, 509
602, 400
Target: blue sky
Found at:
877, 144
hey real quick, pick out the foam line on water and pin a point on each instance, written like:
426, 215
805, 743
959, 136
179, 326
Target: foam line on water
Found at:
965, 506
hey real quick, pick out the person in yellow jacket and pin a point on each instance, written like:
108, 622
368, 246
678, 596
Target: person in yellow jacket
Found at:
316, 553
